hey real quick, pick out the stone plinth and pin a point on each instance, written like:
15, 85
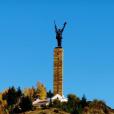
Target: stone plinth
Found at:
58, 71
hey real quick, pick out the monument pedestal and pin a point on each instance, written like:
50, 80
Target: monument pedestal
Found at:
58, 71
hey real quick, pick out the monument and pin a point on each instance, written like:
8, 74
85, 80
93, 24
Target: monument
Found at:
58, 71
58, 63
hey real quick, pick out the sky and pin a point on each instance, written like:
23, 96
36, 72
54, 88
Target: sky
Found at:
27, 42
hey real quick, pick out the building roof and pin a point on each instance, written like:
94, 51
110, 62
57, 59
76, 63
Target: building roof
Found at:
38, 101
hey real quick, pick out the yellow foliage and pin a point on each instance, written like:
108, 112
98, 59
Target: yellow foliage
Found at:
41, 91
3, 102
29, 92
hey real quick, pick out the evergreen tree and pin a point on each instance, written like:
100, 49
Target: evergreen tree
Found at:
19, 92
10, 96
25, 104
49, 94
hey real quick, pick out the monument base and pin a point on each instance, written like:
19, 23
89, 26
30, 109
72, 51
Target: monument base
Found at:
60, 98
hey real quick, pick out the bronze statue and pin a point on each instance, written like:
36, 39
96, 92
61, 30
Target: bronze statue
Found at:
59, 34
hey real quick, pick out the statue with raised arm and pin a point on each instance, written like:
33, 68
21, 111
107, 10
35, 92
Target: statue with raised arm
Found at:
59, 34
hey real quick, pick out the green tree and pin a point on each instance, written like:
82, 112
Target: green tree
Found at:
49, 94
73, 102
10, 96
83, 101
19, 92
25, 104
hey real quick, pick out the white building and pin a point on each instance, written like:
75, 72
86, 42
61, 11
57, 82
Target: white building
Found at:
46, 102
40, 103
59, 97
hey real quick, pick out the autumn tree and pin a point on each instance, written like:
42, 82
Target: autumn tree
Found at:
30, 92
3, 102
3, 105
41, 91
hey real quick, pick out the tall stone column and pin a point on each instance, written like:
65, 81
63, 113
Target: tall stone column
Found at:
58, 71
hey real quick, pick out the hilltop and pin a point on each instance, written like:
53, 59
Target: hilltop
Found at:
16, 101
59, 111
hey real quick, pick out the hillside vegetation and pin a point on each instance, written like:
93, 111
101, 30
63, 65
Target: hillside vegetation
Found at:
47, 111
17, 101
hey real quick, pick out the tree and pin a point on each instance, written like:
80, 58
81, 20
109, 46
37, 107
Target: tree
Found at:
19, 92
25, 104
29, 92
49, 94
41, 91
3, 105
83, 102
10, 96
73, 102
3, 102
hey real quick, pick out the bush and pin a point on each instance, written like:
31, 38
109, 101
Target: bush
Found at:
73, 103
56, 103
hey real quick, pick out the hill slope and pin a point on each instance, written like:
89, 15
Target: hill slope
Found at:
47, 111
58, 111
